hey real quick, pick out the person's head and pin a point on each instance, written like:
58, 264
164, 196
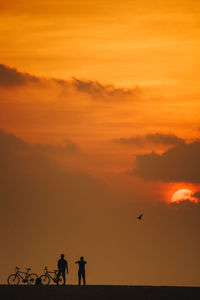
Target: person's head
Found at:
82, 257
62, 256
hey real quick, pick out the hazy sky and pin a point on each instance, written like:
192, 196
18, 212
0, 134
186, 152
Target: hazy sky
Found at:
99, 118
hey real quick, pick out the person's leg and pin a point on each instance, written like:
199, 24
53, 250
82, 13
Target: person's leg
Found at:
58, 276
63, 274
83, 275
79, 278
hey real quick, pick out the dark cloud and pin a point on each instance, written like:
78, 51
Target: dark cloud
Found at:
35, 186
152, 138
9, 142
98, 90
180, 163
11, 77
184, 204
69, 148
197, 195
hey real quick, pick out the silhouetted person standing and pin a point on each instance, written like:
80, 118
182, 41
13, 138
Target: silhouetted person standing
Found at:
62, 266
81, 270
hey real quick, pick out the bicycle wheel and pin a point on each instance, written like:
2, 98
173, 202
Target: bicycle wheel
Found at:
60, 281
32, 278
45, 279
13, 279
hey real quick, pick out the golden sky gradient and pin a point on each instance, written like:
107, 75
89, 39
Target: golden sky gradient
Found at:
99, 115
126, 43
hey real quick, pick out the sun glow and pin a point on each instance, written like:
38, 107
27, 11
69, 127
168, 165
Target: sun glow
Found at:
183, 195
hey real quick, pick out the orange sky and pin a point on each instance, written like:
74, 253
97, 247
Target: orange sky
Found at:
126, 43
107, 91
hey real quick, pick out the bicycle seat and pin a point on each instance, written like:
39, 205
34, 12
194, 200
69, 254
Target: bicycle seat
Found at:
55, 271
17, 268
28, 269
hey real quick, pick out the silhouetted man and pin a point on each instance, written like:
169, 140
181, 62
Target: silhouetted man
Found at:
81, 270
62, 265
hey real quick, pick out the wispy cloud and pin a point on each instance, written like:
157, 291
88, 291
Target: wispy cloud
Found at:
151, 138
11, 77
98, 90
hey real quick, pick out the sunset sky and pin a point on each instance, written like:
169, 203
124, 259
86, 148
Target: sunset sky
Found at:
99, 122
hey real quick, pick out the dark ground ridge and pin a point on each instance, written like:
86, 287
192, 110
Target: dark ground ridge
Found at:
98, 292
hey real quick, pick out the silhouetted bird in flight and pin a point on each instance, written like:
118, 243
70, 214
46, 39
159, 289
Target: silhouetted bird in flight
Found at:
140, 217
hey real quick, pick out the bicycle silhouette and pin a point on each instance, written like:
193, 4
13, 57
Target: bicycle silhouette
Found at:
14, 279
46, 277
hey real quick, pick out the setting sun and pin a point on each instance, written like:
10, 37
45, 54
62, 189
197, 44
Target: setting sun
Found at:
183, 195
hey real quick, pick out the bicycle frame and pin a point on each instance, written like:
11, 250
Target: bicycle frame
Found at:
48, 273
18, 273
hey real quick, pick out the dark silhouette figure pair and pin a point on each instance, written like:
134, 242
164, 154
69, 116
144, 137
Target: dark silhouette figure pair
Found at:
63, 266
